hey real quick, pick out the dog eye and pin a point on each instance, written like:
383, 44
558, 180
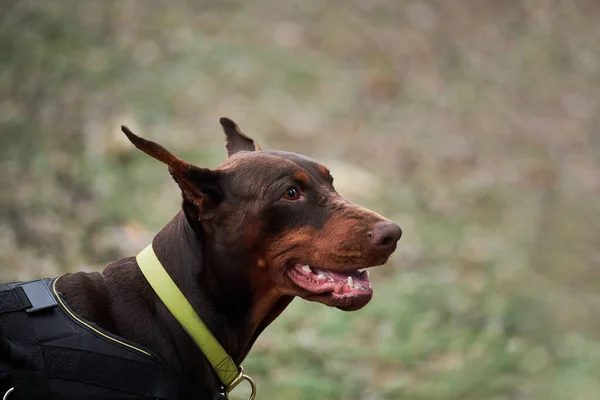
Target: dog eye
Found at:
292, 194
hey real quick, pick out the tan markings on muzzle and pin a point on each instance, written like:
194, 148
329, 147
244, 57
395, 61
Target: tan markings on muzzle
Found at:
355, 209
291, 239
347, 254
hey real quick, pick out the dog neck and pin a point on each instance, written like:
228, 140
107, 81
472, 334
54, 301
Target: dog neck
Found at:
218, 283
235, 303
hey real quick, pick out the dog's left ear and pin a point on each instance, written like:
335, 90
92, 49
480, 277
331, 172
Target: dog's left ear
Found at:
200, 186
235, 139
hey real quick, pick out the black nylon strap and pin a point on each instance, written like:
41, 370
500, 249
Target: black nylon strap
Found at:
144, 379
13, 300
20, 346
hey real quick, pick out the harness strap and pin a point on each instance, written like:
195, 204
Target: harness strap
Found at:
12, 300
21, 347
139, 378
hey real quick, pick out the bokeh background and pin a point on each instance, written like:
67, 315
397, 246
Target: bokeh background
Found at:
473, 124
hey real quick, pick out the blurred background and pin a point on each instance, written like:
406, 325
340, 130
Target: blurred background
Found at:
473, 124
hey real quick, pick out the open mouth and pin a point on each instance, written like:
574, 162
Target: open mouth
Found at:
348, 291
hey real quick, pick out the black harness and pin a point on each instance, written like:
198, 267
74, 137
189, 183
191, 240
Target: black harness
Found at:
48, 352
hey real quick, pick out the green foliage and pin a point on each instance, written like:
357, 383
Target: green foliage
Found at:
471, 126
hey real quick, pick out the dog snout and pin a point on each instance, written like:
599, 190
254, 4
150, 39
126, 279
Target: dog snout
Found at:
385, 235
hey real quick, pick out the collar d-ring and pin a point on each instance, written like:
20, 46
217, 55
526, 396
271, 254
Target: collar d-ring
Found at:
8, 392
239, 379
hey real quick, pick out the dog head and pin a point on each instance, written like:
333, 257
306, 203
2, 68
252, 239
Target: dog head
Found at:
280, 213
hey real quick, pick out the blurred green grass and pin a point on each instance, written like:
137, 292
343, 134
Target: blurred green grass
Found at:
474, 125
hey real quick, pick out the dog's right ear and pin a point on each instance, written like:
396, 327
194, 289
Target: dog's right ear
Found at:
235, 139
200, 186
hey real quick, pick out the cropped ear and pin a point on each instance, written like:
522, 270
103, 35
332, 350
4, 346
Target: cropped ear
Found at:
200, 186
235, 139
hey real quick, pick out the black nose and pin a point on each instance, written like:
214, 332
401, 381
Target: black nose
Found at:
385, 234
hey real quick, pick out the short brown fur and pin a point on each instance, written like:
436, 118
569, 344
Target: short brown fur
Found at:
229, 250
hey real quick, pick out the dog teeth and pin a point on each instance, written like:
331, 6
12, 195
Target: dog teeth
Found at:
367, 274
306, 268
321, 277
350, 282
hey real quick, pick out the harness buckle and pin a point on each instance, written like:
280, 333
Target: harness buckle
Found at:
239, 379
39, 296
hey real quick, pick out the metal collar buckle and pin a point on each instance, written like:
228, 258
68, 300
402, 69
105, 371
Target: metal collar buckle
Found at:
239, 379
8, 392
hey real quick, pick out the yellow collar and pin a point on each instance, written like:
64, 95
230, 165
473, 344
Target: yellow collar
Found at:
184, 313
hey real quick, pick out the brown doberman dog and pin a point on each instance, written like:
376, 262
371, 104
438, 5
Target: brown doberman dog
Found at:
260, 229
